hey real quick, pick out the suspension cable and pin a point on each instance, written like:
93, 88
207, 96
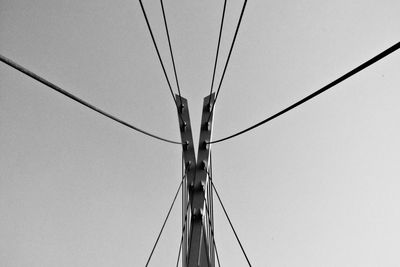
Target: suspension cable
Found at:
77, 99
170, 50
229, 56
203, 233
216, 252
183, 230
159, 57
229, 220
218, 45
320, 91
215, 245
165, 221
212, 232
179, 252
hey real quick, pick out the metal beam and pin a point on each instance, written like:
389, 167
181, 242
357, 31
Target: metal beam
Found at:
190, 170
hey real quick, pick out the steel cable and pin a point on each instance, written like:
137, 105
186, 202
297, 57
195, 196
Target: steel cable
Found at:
212, 232
179, 252
218, 45
77, 99
203, 231
165, 221
229, 220
170, 50
159, 57
228, 58
183, 230
316, 93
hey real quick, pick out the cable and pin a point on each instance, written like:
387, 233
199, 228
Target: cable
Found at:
229, 220
179, 252
320, 91
229, 56
77, 99
165, 221
170, 50
159, 57
216, 252
156, 47
203, 231
216, 55
215, 245
183, 230
212, 232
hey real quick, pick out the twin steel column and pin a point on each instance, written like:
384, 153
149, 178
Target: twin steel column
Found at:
197, 206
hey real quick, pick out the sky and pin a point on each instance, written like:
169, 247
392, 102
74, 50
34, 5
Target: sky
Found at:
316, 187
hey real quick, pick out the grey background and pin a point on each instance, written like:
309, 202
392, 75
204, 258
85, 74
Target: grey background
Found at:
317, 187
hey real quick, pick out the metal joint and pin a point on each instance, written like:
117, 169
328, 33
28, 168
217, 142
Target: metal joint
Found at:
209, 106
204, 165
184, 126
191, 186
186, 145
181, 107
205, 145
188, 164
198, 187
203, 185
197, 214
207, 126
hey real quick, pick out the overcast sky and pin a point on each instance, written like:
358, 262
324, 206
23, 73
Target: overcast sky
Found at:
318, 186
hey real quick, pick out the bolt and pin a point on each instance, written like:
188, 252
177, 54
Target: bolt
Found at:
186, 145
188, 164
206, 145
204, 165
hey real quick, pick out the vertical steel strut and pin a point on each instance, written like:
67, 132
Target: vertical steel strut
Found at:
197, 210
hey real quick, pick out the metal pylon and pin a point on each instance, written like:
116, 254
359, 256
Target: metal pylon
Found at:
197, 205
